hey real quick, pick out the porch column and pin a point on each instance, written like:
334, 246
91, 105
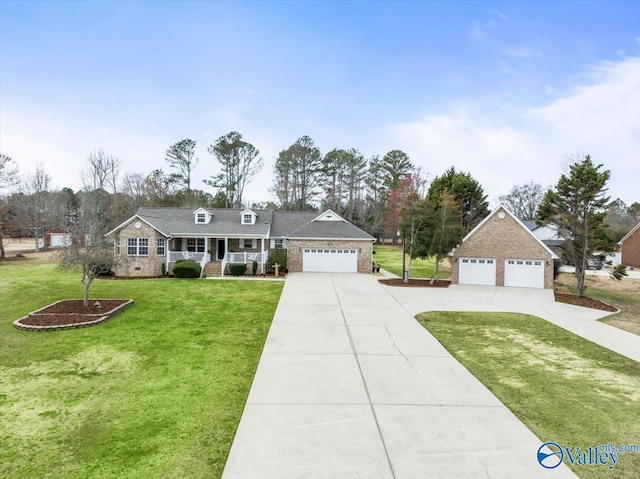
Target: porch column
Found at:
262, 263
167, 252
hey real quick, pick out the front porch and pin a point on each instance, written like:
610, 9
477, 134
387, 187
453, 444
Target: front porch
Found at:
215, 254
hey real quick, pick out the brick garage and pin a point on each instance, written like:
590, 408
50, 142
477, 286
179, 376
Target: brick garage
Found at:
296, 249
629, 247
503, 243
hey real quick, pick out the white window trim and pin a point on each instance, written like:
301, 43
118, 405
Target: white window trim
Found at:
138, 246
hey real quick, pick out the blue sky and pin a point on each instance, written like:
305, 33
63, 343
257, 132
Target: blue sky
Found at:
506, 91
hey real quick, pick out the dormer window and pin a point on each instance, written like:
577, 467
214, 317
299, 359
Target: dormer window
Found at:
248, 217
202, 216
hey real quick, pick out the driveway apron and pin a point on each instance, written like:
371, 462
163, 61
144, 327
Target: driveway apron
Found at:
349, 385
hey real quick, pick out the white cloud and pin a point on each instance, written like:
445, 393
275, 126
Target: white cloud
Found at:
494, 12
600, 118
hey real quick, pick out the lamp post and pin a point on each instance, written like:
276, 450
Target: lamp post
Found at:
405, 275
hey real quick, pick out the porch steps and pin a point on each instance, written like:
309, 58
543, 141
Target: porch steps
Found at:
213, 269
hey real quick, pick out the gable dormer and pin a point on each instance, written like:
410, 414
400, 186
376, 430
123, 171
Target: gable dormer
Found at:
248, 217
329, 216
202, 216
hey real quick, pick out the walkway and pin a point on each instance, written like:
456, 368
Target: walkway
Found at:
350, 386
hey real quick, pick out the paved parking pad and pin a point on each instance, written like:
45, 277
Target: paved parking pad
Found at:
349, 385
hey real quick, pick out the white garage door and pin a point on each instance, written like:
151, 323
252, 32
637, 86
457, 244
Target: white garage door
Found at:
60, 239
477, 271
524, 273
330, 260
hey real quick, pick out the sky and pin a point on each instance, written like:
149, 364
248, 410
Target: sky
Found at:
511, 92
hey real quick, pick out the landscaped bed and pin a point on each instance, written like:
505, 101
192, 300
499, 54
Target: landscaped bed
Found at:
72, 314
415, 283
584, 301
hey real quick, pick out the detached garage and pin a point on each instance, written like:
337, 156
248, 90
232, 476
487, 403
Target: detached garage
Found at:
57, 238
502, 251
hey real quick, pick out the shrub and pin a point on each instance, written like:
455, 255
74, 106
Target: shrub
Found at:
278, 255
186, 269
254, 267
238, 269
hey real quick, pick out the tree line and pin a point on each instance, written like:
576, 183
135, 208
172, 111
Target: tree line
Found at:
387, 196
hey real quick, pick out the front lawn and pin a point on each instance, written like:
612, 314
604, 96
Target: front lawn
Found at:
157, 391
624, 294
389, 257
564, 388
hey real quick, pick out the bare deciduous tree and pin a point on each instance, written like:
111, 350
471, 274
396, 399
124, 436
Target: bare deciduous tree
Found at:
523, 200
102, 172
8, 177
89, 251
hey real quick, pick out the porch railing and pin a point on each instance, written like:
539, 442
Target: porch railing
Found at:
246, 258
176, 255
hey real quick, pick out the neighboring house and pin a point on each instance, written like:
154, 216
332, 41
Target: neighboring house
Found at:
215, 238
549, 235
629, 248
502, 251
57, 238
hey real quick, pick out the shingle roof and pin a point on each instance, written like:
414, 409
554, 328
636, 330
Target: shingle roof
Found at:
180, 222
284, 222
226, 222
330, 229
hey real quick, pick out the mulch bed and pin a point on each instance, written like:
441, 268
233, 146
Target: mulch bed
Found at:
415, 283
68, 314
584, 302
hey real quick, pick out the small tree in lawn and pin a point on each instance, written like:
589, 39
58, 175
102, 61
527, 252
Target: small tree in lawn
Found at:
442, 232
414, 218
89, 251
577, 207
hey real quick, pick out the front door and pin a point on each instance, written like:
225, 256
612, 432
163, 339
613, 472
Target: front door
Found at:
220, 249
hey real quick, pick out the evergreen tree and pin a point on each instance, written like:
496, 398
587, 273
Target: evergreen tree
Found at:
577, 207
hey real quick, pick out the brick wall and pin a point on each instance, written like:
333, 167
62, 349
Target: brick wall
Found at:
502, 239
296, 247
132, 266
630, 250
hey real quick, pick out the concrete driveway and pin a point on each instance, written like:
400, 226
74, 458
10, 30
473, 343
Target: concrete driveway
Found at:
538, 302
350, 386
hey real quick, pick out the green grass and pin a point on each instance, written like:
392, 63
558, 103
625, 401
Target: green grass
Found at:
389, 257
157, 391
564, 388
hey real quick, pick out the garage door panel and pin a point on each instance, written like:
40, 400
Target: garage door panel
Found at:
524, 273
481, 271
330, 260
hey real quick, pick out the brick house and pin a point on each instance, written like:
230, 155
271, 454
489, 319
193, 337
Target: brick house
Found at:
215, 238
502, 251
629, 248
